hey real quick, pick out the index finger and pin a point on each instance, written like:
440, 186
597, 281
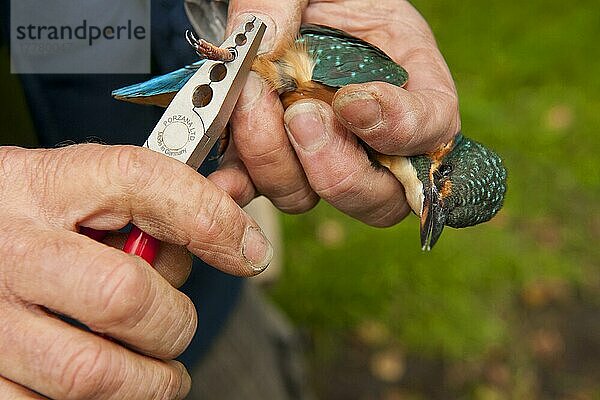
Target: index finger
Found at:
106, 187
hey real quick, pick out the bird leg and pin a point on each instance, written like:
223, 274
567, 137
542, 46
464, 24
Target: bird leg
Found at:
208, 50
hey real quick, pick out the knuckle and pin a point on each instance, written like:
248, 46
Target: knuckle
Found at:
284, 185
260, 148
265, 156
356, 194
296, 201
135, 167
83, 372
407, 125
17, 255
340, 185
387, 214
24, 174
439, 119
452, 104
213, 218
424, 52
124, 294
184, 331
241, 193
453, 113
12, 159
170, 383
14, 252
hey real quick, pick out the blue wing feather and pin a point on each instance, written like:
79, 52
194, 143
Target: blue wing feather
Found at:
159, 90
342, 59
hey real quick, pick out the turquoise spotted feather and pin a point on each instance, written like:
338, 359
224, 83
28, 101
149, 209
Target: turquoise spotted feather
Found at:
341, 59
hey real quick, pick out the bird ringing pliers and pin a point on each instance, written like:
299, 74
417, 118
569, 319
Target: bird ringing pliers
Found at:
196, 117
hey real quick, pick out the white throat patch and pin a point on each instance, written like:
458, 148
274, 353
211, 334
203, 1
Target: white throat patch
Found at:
404, 171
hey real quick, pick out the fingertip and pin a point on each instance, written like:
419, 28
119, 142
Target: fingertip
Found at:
281, 18
257, 250
270, 36
393, 120
227, 237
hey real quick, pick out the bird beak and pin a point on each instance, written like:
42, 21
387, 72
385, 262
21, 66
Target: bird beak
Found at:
433, 218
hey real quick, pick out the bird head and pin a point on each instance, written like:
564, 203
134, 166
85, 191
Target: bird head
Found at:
463, 184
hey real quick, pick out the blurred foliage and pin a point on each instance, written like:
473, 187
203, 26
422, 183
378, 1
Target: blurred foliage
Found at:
528, 76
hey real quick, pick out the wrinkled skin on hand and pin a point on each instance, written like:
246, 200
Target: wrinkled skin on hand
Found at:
310, 151
45, 264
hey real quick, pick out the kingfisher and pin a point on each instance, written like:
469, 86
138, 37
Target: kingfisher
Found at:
460, 184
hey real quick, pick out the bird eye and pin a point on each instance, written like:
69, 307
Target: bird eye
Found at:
445, 170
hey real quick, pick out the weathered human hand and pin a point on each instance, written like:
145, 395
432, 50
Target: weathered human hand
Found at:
47, 269
311, 151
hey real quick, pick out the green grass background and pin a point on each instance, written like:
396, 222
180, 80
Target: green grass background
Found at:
528, 76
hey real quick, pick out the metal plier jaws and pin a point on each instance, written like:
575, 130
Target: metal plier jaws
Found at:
199, 113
